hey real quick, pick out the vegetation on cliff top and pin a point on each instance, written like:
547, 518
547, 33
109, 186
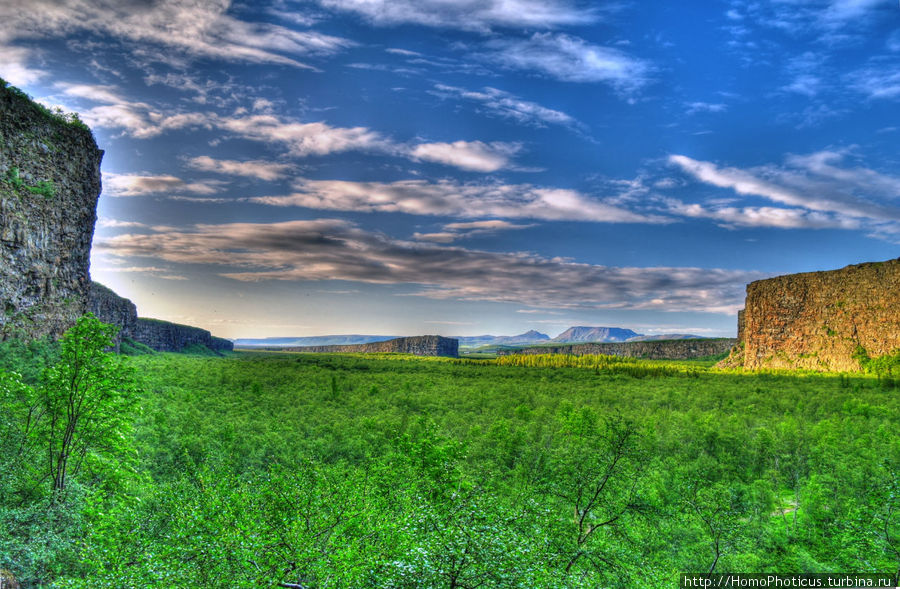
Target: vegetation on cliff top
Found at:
56, 114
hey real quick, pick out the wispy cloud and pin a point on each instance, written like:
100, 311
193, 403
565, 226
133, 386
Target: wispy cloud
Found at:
570, 59
455, 231
709, 107
259, 169
502, 104
119, 224
140, 185
300, 139
456, 199
205, 28
304, 139
877, 82
475, 156
330, 249
478, 16
821, 192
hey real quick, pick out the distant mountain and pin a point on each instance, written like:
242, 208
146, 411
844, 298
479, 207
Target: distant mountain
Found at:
595, 334
665, 336
527, 338
316, 340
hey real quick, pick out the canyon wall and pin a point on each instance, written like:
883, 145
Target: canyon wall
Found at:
423, 345
49, 185
682, 349
820, 320
162, 336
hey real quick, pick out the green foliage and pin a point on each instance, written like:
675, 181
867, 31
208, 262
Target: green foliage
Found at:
886, 368
130, 347
66, 448
14, 179
86, 402
198, 350
45, 188
389, 471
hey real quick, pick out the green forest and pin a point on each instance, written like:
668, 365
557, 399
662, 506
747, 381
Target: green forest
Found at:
320, 471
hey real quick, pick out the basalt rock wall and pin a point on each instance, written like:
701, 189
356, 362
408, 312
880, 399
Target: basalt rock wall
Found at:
174, 337
160, 335
49, 185
819, 320
683, 349
424, 345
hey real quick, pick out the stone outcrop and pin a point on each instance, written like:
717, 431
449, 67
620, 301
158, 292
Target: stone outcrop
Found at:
682, 349
162, 336
49, 185
820, 320
109, 307
174, 337
423, 345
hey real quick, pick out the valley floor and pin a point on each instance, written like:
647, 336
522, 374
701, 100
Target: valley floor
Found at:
349, 471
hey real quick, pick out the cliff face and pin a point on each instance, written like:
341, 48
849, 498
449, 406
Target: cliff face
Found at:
162, 336
49, 185
109, 307
817, 320
424, 345
683, 349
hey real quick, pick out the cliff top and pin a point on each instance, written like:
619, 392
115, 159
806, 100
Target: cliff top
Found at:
851, 267
70, 120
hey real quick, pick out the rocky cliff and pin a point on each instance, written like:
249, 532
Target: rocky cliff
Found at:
683, 349
49, 185
423, 345
819, 320
160, 335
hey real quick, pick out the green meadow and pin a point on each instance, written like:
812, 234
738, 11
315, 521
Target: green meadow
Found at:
314, 471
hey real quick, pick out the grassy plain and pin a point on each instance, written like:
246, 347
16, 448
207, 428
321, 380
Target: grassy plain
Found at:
385, 471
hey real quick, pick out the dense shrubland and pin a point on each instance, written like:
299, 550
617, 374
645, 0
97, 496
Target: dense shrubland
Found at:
349, 471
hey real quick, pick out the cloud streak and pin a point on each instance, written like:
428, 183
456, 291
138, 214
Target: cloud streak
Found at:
494, 102
198, 29
455, 199
821, 192
140, 185
480, 15
331, 249
475, 156
569, 59
259, 169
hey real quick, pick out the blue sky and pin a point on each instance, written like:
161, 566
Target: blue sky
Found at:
465, 167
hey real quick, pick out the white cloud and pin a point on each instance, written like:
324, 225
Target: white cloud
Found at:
475, 156
570, 59
503, 104
202, 28
118, 224
478, 15
139, 185
881, 82
14, 66
259, 169
455, 199
695, 107
455, 231
729, 216
330, 249
821, 193
304, 139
